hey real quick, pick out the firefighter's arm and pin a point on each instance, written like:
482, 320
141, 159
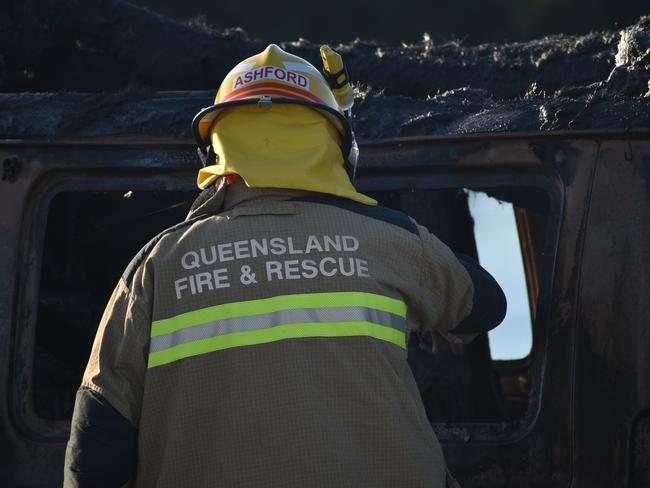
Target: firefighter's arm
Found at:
488, 302
102, 450
458, 298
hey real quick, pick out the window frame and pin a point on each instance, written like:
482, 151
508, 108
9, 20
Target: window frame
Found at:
424, 177
487, 433
30, 264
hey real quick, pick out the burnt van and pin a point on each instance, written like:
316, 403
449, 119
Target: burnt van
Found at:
572, 410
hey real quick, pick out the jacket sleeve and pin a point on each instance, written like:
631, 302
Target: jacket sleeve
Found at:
445, 290
488, 304
457, 297
102, 448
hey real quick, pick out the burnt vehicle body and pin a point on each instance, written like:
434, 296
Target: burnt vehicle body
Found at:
574, 412
98, 159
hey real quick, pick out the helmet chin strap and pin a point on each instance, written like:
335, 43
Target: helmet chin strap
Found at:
353, 157
207, 157
351, 160
202, 156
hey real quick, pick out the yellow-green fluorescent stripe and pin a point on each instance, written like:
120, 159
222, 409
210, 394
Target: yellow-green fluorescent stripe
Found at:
275, 304
277, 333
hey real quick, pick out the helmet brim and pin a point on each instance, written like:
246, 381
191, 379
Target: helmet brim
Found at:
203, 121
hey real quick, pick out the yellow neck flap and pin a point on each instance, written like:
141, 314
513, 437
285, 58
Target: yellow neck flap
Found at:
286, 146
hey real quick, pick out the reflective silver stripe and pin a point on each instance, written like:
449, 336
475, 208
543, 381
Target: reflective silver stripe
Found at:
283, 317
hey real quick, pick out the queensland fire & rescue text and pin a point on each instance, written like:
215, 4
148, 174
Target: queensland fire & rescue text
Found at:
255, 269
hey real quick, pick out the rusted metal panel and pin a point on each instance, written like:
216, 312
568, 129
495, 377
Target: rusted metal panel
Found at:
612, 384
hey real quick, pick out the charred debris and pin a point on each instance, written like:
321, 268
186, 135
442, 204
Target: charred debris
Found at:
92, 67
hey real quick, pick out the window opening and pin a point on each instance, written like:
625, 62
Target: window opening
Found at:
499, 252
90, 238
91, 235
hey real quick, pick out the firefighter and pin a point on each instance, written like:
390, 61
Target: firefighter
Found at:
262, 341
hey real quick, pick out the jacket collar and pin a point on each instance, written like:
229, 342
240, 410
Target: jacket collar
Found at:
225, 197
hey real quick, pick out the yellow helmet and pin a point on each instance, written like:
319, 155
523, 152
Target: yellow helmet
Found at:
273, 76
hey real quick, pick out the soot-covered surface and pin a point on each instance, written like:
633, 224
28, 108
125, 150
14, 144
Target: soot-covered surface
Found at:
130, 55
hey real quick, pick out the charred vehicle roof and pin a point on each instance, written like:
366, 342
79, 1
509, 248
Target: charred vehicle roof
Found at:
56, 50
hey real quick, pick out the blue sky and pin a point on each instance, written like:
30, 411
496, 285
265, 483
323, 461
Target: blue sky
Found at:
499, 252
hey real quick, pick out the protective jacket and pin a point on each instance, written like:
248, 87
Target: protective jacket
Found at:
262, 342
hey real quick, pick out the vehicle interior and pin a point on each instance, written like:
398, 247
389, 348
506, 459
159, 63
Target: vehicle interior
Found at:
92, 230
